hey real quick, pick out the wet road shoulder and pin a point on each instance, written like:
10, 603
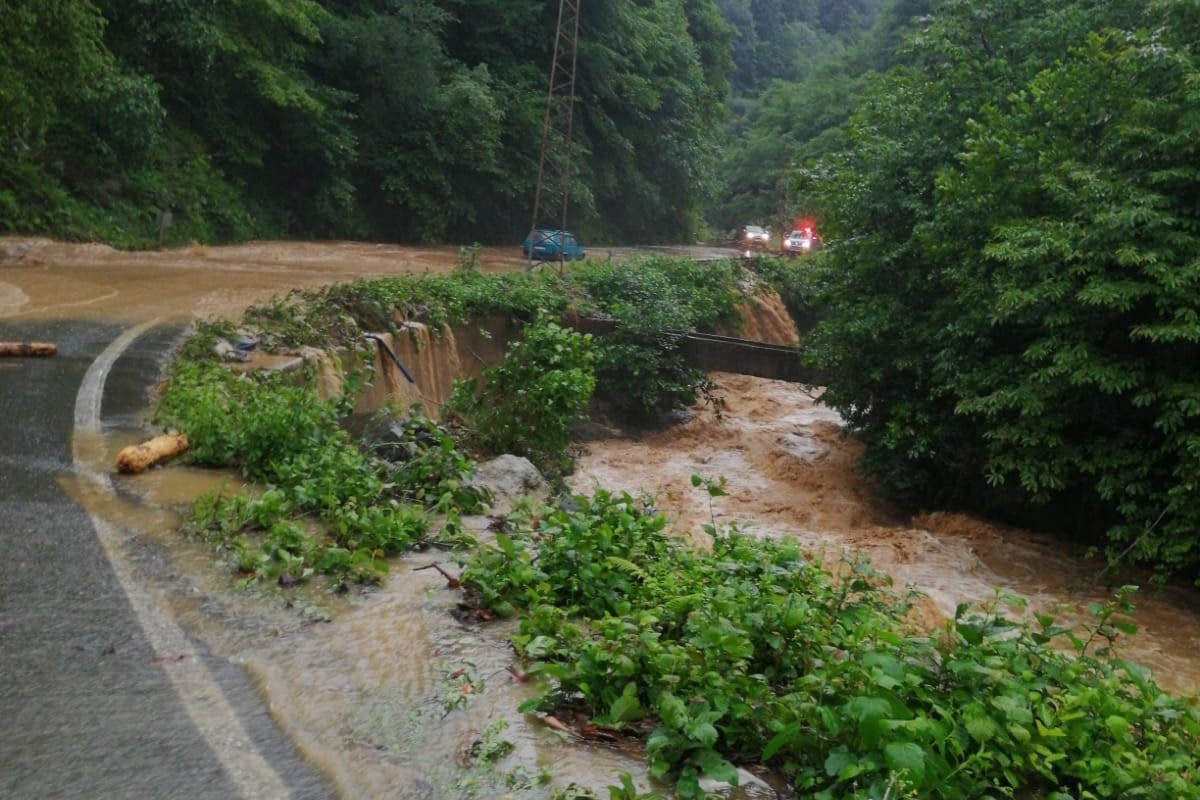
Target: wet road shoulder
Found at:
92, 705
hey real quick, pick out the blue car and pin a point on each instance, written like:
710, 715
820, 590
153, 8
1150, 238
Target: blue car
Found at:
550, 245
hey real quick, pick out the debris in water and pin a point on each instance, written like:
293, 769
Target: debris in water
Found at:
28, 349
451, 581
138, 458
554, 724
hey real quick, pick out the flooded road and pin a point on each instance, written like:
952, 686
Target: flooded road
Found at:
387, 694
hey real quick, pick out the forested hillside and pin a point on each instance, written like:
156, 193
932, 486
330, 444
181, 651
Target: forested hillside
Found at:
411, 120
1014, 284
801, 66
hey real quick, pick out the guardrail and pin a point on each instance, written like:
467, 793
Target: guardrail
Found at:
713, 353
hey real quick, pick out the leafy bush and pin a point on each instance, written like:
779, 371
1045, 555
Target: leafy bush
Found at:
751, 652
639, 368
425, 465
798, 284
328, 507
526, 404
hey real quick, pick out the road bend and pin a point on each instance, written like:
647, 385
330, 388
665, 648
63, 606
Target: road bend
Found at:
102, 694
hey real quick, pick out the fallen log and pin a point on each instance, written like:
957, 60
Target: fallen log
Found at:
140, 457
27, 349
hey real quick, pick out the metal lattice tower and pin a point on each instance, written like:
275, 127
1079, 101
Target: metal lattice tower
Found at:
552, 195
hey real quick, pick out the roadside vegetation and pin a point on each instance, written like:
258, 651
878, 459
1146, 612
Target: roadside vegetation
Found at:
743, 653
338, 507
748, 652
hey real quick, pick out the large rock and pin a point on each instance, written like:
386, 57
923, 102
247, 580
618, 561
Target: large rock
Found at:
750, 786
510, 478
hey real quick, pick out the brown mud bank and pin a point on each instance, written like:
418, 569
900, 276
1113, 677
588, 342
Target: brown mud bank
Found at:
790, 472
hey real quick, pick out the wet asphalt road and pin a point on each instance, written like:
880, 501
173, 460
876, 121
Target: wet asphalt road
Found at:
85, 710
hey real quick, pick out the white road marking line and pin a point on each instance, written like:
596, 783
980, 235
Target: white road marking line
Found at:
206, 704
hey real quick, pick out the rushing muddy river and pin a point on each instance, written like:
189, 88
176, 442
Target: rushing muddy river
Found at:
791, 473
388, 693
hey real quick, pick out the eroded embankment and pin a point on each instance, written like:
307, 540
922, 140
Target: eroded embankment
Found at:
419, 364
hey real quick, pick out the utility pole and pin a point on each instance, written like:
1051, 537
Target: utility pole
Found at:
552, 195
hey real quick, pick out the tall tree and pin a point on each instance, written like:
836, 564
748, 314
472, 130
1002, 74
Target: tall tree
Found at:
1016, 286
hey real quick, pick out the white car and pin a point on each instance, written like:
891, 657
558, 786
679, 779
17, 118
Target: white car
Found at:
755, 236
804, 241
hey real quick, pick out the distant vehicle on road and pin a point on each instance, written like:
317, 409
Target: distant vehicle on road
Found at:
544, 244
803, 240
753, 237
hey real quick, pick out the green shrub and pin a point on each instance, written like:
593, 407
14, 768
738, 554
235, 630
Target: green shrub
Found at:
1011, 280
426, 467
526, 404
639, 369
328, 507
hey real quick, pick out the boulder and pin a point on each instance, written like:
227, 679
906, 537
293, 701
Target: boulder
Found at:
510, 478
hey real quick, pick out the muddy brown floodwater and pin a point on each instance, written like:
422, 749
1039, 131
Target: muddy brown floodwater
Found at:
791, 473
385, 692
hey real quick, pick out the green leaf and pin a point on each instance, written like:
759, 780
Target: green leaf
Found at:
838, 760
717, 768
906, 757
702, 732
981, 727
672, 711
1118, 726
784, 736
627, 707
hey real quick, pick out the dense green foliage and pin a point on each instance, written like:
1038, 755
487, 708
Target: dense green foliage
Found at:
527, 403
801, 67
1014, 297
329, 507
749, 651
788, 40
415, 120
639, 368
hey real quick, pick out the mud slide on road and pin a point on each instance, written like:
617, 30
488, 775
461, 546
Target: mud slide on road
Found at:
40, 278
